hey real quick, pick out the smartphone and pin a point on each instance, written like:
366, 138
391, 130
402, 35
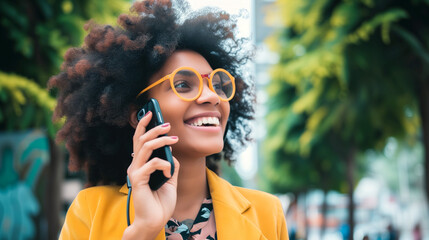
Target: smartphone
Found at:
157, 178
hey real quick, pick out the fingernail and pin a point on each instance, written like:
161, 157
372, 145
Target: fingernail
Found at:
174, 137
165, 125
147, 113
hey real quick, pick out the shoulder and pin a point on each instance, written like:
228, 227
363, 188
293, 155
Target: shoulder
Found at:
256, 194
225, 192
92, 200
266, 212
101, 190
98, 196
93, 210
259, 197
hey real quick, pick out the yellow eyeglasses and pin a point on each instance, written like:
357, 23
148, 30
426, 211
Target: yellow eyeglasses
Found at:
187, 83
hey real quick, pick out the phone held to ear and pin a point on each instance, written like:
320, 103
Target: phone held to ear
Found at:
157, 178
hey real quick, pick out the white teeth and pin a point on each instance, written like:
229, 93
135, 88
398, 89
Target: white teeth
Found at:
205, 120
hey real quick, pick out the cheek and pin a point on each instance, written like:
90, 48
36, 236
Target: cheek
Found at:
170, 112
166, 102
225, 112
173, 111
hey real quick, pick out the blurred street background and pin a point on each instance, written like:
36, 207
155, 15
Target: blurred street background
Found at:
342, 127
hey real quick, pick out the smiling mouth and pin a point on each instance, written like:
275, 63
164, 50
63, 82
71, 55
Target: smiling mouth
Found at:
204, 122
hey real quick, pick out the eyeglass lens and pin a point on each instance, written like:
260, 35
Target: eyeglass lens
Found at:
187, 84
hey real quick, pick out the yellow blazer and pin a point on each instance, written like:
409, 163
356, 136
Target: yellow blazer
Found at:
100, 213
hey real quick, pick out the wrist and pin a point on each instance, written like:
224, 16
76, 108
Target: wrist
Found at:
136, 231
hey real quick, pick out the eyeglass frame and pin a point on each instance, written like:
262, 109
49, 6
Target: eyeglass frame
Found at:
200, 88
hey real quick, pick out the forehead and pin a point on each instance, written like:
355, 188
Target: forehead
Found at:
184, 58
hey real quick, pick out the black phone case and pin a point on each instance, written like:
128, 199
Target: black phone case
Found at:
157, 178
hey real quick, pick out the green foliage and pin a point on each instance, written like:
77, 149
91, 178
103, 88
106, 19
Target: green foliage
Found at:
347, 77
25, 105
230, 174
36, 34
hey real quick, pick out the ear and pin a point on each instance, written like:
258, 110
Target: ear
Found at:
133, 117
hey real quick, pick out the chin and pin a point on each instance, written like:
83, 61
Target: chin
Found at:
210, 147
198, 148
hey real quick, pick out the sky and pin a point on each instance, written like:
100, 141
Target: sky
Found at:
232, 7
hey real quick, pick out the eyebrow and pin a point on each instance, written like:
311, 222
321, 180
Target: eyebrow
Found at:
185, 73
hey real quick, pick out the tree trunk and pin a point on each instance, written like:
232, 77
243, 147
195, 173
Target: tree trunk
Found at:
350, 163
423, 92
323, 213
304, 207
56, 163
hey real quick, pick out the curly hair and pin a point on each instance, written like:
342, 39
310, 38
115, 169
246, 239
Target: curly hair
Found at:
98, 82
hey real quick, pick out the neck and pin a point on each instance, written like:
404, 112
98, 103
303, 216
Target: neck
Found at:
191, 189
192, 179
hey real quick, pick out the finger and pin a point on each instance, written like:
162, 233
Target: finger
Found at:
151, 134
141, 126
148, 147
176, 171
141, 175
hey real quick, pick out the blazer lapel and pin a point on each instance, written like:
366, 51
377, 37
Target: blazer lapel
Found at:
230, 208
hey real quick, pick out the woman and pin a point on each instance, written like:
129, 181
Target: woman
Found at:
104, 84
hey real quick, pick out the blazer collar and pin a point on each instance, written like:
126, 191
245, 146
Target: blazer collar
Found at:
229, 206
223, 193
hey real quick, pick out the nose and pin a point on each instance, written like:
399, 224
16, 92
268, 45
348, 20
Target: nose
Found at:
207, 95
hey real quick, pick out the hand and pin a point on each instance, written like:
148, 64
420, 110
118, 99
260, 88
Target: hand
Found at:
152, 208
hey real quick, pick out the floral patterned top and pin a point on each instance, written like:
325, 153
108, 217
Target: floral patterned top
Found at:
202, 228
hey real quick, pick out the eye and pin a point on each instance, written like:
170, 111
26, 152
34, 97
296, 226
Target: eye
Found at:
181, 85
217, 83
217, 86
185, 81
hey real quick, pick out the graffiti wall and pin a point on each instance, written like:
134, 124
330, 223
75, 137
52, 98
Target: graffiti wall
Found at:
23, 157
